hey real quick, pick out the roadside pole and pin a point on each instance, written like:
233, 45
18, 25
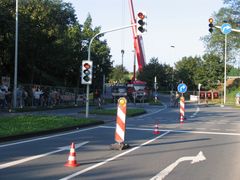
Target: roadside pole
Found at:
225, 29
89, 57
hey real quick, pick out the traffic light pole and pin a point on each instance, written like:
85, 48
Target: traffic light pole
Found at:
225, 65
89, 57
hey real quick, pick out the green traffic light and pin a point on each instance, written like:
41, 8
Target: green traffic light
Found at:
86, 78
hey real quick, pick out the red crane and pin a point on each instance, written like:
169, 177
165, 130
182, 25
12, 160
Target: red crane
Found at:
138, 41
137, 89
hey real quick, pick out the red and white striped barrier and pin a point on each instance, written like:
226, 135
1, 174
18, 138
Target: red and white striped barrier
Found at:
182, 109
121, 120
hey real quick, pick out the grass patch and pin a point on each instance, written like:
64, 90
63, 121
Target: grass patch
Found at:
130, 111
25, 124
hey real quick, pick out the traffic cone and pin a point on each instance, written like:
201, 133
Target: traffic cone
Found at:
156, 130
72, 157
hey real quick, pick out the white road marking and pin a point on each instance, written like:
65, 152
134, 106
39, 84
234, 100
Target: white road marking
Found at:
181, 131
13, 163
46, 137
195, 159
149, 114
112, 158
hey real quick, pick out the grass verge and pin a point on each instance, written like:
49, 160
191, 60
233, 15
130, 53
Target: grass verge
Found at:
130, 111
29, 124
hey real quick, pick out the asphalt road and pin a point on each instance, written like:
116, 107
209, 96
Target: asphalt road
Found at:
205, 147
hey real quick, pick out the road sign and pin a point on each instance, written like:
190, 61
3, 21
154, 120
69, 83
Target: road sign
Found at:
182, 88
226, 28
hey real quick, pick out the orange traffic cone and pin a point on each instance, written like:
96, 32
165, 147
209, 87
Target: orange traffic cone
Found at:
156, 130
72, 157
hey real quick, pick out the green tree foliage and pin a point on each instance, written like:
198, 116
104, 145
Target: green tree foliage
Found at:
119, 74
215, 42
163, 73
52, 43
186, 70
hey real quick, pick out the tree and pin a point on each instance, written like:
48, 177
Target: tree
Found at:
52, 43
119, 75
186, 70
215, 42
161, 71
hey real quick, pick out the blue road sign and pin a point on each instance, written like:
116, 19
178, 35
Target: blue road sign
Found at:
226, 28
182, 88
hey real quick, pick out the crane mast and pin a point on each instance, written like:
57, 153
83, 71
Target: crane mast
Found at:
138, 40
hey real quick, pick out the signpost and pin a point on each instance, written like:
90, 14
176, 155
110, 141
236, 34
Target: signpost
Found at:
226, 28
182, 88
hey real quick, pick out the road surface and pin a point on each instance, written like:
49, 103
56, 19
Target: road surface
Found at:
205, 146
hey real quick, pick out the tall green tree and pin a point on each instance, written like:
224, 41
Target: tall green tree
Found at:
52, 43
119, 74
163, 73
186, 70
215, 42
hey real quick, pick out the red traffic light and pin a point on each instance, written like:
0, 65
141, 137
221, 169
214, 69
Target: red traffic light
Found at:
141, 15
87, 66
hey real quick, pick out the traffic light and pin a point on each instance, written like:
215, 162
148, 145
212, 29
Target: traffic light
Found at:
210, 20
141, 22
87, 72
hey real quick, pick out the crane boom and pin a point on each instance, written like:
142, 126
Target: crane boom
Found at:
138, 40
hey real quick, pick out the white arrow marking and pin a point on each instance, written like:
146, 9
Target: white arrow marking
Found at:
13, 163
166, 171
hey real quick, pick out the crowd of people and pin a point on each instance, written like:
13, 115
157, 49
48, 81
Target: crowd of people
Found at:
34, 96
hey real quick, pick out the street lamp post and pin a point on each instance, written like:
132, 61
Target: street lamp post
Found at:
172, 46
16, 60
89, 57
122, 51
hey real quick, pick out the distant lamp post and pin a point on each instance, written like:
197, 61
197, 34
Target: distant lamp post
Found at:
172, 46
122, 51
16, 60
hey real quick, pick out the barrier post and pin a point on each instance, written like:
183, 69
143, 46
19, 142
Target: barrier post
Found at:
120, 125
182, 109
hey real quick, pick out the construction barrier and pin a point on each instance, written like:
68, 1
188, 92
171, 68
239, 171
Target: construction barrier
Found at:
121, 120
72, 162
120, 125
182, 109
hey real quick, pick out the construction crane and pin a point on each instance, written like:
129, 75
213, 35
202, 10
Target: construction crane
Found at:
137, 89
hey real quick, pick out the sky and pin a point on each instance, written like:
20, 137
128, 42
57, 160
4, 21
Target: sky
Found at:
178, 23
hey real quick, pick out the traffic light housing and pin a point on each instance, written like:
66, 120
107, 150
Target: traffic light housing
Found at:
210, 20
86, 72
141, 22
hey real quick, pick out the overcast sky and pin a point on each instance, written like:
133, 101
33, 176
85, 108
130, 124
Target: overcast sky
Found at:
178, 23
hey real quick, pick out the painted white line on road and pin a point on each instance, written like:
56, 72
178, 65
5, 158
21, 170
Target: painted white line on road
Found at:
13, 163
181, 131
195, 159
47, 137
149, 114
113, 158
